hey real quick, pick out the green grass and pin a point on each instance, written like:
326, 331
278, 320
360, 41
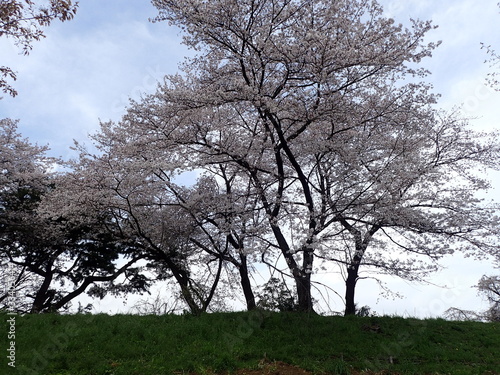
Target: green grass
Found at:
225, 342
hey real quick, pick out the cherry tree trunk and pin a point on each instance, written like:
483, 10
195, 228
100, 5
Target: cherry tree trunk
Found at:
350, 283
303, 283
247, 286
42, 294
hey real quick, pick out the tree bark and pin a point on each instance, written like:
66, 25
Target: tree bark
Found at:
301, 277
303, 280
182, 278
350, 283
303, 283
246, 284
42, 293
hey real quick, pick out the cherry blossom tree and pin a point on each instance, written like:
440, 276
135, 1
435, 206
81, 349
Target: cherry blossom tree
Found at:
63, 254
23, 20
415, 200
278, 87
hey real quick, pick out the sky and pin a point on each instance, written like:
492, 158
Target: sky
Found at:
85, 70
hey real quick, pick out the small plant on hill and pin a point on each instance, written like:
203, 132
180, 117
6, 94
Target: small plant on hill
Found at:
276, 296
365, 311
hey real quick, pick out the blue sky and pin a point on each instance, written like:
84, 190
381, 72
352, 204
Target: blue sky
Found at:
86, 70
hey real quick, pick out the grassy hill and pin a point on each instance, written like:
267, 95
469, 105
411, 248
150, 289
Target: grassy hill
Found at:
248, 343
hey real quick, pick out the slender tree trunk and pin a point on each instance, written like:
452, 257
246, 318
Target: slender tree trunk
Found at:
303, 281
361, 242
350, 283
207, 300
246, 284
